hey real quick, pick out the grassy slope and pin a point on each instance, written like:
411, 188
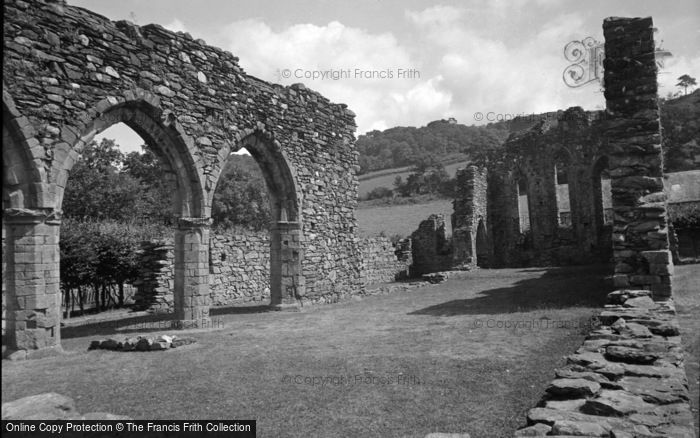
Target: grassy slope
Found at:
457, 376
400, 219
385, 178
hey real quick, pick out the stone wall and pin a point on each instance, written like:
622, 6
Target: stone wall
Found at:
432, 251
470, 242
628, 378
240, 269
383, 261
640, 235
156, 282
69, 74
523, 188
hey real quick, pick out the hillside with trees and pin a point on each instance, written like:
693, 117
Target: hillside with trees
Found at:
680, 121
441, 140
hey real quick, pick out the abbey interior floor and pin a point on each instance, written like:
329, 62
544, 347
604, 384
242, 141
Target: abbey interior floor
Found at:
441, 358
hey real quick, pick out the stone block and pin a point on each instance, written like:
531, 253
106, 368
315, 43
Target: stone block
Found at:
48, 406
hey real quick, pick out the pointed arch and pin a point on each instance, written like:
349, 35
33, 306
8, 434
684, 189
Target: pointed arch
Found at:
163, 136
279, 174
24, 182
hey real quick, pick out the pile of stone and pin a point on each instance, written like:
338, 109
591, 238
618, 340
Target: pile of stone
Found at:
50, 406
140, 343
627, 380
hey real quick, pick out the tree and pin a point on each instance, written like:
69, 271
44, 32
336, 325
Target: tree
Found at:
686, 81
104, 184
241, 197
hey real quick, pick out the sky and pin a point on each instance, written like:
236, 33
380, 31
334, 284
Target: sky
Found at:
407, 63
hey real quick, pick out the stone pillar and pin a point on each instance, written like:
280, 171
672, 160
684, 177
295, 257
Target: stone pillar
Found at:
192, 273
469, 206
287, 283
33, 280
640, 233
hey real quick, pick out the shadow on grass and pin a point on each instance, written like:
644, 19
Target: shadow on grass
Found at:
556, 288
146, 323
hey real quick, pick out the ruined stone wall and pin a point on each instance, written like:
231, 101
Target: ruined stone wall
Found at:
240, 269
627, 379
532, 156
155, 285
70, 73
471, 245
640, 234
383, 261
431, 250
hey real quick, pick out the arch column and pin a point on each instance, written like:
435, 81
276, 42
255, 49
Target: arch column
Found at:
32, 279
192, 273
287, 282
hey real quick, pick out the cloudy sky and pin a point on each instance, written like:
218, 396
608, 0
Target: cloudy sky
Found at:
406, 63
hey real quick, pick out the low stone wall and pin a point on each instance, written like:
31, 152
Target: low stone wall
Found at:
627, 380
382, 261
240, 269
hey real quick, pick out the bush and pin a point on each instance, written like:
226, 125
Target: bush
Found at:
379, 192
99, 257
684, 215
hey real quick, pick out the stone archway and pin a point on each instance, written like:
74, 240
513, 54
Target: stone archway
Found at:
287, 282
191, 102
30, 228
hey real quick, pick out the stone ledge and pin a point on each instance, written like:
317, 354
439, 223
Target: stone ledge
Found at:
628, 379
50, 406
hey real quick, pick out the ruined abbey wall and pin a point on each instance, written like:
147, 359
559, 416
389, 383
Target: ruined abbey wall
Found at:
70, 73
541, 201
240, 269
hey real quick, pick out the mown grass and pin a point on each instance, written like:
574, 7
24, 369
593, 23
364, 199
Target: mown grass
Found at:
414, 363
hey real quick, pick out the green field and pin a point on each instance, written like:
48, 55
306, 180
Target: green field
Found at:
385, 178
400, 219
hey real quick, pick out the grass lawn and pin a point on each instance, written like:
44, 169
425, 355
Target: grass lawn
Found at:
434, 359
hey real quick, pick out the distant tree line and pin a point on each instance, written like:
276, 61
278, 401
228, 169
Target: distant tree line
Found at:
439, 140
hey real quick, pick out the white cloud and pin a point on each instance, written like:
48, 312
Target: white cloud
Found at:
302, 49
674, 67
464, 64
176, 26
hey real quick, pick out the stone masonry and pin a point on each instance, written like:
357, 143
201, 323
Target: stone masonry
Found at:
470, 219
154, 287
384, 262
240, 269
627, 380
640, 234
69, 74
525, 217
431, 250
